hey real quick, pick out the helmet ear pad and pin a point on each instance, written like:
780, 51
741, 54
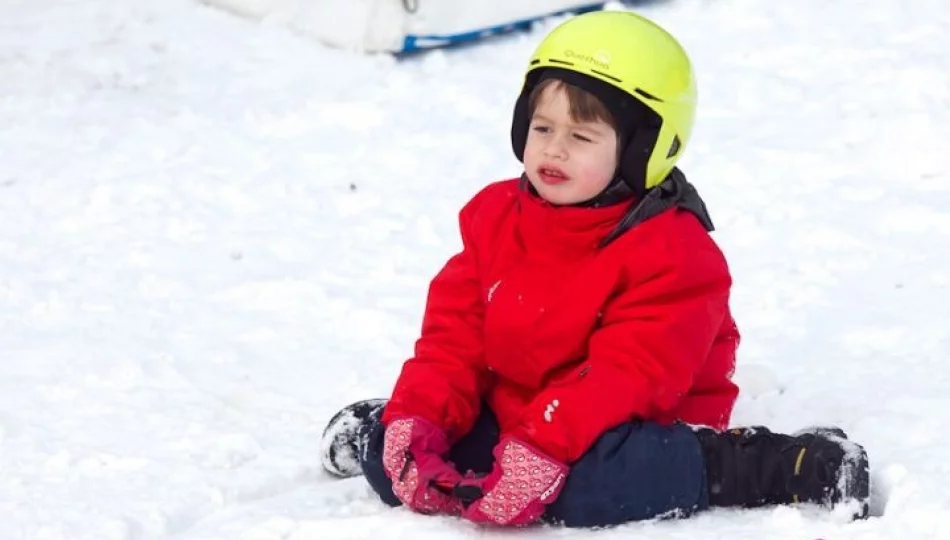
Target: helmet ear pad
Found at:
520, 120
636, 154
638, 126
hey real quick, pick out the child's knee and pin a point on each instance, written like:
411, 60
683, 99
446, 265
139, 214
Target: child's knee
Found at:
633, 472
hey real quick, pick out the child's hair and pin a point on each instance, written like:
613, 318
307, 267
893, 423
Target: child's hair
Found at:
584, 106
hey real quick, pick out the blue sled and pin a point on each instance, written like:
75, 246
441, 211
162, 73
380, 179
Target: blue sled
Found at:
416, 43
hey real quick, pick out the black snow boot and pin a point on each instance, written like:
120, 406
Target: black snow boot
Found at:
752, 467
344, 437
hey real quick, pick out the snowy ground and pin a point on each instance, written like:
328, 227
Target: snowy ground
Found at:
215, 234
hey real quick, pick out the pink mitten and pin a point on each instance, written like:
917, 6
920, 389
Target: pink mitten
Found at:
413, 458
523, 482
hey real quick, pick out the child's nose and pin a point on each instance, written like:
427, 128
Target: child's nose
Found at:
556, 147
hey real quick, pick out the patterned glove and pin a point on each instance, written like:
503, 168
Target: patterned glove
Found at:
413, 459
523, 482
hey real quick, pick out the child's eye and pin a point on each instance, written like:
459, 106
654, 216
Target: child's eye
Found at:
582, 138
541, 129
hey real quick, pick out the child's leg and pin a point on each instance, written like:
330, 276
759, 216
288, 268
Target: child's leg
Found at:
633, 472
472, 452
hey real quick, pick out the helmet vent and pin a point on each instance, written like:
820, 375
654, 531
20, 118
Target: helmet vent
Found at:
536, 61
562, 62
602, 74
675, 147
647, 95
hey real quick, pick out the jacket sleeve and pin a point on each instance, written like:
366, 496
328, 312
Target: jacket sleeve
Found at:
653, 338
445, 379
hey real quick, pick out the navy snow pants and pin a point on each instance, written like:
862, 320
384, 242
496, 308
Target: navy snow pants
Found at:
636, 471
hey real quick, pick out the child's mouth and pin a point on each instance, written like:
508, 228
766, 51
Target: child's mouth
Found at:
552, 175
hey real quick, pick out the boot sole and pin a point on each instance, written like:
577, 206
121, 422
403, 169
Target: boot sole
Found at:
339, 444
854, 478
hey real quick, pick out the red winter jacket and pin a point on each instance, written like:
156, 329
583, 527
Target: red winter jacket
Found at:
565, 339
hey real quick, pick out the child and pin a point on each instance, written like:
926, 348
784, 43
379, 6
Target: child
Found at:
571, 350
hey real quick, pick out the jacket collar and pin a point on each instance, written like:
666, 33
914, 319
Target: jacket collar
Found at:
573, 228
565, 229
674, 192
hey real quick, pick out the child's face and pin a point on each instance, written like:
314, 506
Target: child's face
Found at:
567, 162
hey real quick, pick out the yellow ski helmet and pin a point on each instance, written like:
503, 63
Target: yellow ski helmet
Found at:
632, 54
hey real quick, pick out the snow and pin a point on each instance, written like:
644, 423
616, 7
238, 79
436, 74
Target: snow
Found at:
217, 233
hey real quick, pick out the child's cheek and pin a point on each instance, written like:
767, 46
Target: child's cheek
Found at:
595, 172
